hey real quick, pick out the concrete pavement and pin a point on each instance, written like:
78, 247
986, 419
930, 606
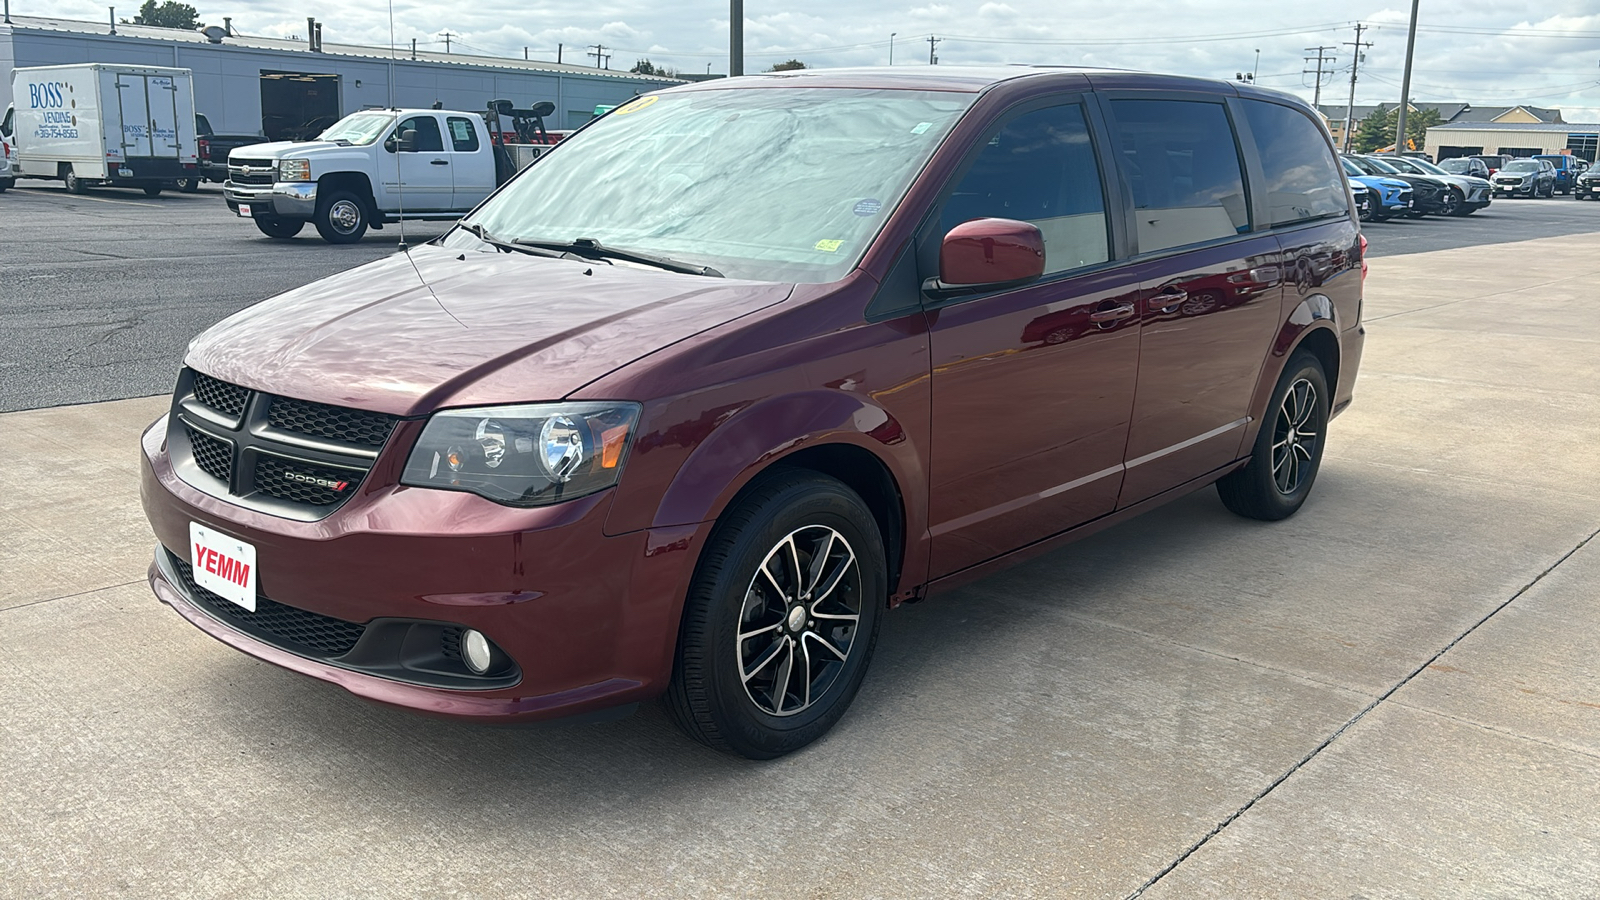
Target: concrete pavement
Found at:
1393, 694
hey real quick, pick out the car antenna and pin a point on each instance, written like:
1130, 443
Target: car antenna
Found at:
400, 183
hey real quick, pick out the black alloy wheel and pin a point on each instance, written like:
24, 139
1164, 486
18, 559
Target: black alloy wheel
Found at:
781, 618
279, 228
1451, 205
1288, 449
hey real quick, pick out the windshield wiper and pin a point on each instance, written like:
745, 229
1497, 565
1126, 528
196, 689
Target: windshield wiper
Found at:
592, 249
481, 233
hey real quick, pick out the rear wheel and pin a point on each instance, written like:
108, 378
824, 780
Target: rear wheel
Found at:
341, 218
7, 184
74, 184
781, 619
1288, 450
280, 228
152, 190
188, 185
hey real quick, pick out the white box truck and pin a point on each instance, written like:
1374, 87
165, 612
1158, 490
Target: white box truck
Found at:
119, 125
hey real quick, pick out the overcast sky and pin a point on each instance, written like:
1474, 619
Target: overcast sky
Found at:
1486, 52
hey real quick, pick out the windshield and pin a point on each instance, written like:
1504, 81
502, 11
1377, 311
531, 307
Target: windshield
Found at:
1521, 165
360, 128
1457, 166
1379, 166
1350, 168
1425, 167
1403, 165
777, 184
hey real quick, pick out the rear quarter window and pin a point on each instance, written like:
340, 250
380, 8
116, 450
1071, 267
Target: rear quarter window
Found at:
1302, 178
463, 137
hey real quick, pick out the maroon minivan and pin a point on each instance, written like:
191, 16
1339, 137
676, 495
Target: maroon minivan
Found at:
686, 406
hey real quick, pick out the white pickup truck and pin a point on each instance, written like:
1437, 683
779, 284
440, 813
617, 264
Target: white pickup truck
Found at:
367, 169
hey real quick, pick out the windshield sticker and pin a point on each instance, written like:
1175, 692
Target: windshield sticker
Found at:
868, 207
921, 127
829, 246
635, 106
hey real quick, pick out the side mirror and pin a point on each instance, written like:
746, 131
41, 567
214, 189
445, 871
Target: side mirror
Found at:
408, 141
390, 144
988, 253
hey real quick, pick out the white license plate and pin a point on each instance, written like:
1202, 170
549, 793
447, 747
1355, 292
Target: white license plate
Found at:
224, 565
125, 172
244, 210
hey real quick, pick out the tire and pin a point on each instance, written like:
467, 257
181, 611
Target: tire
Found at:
1453, 202
341, 217
7, 184
732, 688
74, 184
152, 190
188, 185
280, 228
1262, 490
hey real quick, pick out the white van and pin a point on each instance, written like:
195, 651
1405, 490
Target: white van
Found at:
127, 126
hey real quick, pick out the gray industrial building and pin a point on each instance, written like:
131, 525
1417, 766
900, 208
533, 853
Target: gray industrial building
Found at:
273, 87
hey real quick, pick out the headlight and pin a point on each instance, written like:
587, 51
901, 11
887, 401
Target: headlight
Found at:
532, 455
294, 170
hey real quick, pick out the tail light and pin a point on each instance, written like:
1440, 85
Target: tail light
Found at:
205, 149
1363, 258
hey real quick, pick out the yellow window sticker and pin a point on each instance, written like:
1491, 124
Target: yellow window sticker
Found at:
829, 246
635, 106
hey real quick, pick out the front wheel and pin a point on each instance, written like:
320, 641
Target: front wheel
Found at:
341, 218
781, 618
1452, 203
152, 190
1288, 450
7, 184
188, 185
75, 185
279, 228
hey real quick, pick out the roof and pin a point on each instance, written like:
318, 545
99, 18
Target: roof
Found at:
253, 42
1558, 127
1490, 113
1452, 112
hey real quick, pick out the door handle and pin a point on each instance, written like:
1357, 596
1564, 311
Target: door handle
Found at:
438, 162
1168, 300
1115, 313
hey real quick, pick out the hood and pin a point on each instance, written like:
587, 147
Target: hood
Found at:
280, 149
465, 328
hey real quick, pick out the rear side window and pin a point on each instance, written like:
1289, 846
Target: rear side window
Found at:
428, 138
1303, 181
1183, 164
1041, 169
463, 137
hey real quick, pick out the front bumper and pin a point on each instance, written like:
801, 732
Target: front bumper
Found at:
1589, 188
588, 619
1513, 189
287, 199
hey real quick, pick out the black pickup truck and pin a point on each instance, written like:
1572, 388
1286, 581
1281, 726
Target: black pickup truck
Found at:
214, 150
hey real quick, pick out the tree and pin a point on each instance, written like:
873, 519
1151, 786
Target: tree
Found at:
645, 67
170, 14
789, 66
1377, 129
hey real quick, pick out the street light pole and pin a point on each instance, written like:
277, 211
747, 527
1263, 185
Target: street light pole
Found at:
1405, 82
736, 38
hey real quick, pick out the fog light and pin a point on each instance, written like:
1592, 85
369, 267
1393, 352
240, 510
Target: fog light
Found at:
476, 651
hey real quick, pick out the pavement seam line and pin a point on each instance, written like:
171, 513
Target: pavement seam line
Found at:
105, 587
1315, 751
1502, 731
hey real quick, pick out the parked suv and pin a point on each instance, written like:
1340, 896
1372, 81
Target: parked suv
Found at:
689, 405
1466, 166
1430, 195
1466, 196
1532, 178
1588, 186
1567, 168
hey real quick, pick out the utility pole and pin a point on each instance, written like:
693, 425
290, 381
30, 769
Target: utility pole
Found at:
1355, 64
735, 38
559, 48
447, 36
1405, 83
413, 48
932, 43
1257, 70
891, 38
1320, 58
600, 56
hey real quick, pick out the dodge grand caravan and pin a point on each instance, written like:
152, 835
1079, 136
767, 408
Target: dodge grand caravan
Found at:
689, 405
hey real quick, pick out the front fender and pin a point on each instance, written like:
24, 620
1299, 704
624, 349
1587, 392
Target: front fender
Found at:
759, 435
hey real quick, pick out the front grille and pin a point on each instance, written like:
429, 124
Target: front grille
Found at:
274, 622
213, 456
283, 456
262, 171
276, 477
221, 396
336, 423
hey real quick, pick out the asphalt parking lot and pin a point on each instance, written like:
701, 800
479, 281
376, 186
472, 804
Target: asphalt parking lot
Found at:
1393, 694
